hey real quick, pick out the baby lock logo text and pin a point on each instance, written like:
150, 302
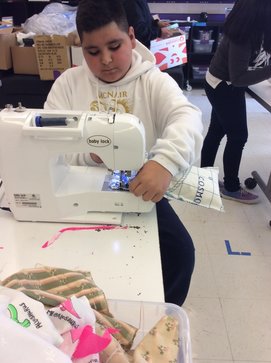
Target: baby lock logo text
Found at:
99, 141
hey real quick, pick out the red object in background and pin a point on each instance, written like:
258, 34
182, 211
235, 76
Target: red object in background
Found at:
170, 52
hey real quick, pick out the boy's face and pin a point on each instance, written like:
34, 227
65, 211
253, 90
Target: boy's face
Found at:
108, 51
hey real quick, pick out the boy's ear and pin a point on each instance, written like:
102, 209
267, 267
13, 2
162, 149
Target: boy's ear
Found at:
131, 34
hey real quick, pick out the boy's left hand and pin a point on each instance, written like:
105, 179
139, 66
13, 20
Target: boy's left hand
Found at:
151, 182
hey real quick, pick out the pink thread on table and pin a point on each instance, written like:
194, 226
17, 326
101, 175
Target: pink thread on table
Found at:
73, 229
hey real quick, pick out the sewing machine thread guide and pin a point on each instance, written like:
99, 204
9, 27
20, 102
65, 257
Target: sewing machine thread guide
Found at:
53, 121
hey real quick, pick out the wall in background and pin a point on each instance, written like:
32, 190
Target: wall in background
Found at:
189, 7
194, 1
182, 9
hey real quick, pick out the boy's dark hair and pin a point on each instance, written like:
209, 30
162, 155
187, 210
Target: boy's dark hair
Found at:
94, 14
250, 20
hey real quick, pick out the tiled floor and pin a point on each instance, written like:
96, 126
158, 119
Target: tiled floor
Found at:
229, 303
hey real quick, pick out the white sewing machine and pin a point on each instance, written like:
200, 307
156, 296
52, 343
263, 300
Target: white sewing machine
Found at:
41, 186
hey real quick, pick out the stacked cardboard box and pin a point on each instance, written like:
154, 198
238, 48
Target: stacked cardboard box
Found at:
7, 40
52, 54
48, 58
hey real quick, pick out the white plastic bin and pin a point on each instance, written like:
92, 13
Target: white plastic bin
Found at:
186, 30
203, 46
144, 315
199, 72
205, 34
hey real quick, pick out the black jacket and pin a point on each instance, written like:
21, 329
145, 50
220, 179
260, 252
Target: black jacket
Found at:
236, 63
140, 18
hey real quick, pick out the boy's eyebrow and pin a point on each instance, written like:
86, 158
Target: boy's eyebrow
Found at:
108, 44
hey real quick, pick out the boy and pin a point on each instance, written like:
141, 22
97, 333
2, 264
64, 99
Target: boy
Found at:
119, 74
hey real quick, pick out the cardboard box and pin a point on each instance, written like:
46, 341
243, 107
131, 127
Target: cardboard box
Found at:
170, 52
53, 55
7, 40
24, 60
77, 56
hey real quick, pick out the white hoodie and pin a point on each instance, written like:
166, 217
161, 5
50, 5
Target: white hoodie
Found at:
173, 126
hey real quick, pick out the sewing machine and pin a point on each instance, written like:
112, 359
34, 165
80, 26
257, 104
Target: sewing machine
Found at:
39, 183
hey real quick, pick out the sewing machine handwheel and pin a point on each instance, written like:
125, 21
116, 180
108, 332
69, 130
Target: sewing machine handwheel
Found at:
250, 183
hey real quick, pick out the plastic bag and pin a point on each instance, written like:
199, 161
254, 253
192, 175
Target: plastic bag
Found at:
55, 18
198, 186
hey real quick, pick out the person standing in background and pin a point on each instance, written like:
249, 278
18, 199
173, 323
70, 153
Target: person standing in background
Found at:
242, 59
146, 28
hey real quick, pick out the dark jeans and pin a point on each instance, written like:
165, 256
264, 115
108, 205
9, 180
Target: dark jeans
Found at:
228, 118
177, 253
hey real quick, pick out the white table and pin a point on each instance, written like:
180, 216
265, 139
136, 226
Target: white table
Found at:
125, 263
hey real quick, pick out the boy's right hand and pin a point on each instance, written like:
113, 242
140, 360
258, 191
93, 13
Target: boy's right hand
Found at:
151, 182
96, 158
